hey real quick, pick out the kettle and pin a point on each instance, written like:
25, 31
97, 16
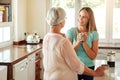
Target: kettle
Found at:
33, 38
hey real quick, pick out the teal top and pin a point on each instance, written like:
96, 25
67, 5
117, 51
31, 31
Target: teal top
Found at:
82, 55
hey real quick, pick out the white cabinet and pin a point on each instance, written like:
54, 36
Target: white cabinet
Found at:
20, 70
3, 72
25, 69
31, 67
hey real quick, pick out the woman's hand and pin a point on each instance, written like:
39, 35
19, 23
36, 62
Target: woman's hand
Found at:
82, 37
99, 71
85, 37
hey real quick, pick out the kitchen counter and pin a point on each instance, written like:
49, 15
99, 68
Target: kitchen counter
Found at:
112, 73
13, 54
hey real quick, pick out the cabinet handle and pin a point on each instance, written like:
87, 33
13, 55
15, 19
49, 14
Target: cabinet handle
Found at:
23, 67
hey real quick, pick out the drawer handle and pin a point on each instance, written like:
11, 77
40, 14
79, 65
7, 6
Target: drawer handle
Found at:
23, 67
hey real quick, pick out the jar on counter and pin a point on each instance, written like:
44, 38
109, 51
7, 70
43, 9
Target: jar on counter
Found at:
111, 59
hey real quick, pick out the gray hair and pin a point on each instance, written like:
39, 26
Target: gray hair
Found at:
55, 16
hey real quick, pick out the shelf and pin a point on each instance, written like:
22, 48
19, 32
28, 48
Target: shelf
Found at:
5, 11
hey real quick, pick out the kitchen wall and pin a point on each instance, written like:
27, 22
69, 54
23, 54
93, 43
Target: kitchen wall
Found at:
19, 19
36, 14
29, 16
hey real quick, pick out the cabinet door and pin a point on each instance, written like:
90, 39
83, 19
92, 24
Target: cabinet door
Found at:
20, 70
3, 72
31, 67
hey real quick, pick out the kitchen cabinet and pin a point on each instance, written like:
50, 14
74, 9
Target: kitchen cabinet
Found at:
20, 70
5, 11
3, 73
22, 63
25, 69
31, 67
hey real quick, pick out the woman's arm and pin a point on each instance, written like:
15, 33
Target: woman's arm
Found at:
70, 57
98, 72
75, 64
76, 46
91, 52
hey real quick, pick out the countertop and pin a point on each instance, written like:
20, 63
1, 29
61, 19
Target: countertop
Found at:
15, 53
113, 73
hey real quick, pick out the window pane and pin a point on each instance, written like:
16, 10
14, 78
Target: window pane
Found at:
1, 56
116, 20
0, 34
1, 16
6, 33
98, 7
69, 6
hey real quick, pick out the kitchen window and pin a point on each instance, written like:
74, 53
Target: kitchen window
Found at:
5, 34
106, 14
6, 27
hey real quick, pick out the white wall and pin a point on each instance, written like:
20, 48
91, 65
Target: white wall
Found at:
36, 14
30, 16
19, 19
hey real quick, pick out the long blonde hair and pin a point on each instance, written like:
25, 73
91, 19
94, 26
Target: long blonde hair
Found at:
91, 26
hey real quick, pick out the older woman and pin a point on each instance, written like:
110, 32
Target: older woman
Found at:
59, 58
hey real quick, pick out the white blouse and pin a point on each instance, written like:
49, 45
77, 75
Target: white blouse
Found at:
59, 59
